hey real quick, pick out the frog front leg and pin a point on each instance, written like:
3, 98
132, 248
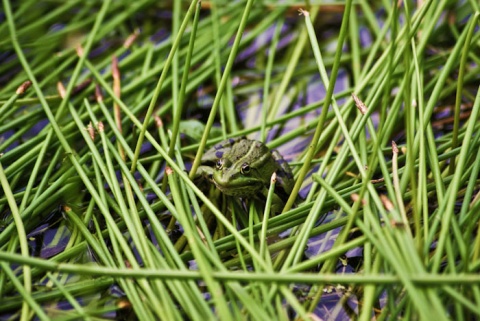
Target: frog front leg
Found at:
277, 202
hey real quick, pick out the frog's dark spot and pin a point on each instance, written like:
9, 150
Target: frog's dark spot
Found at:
231, 140
218, 146
219, 154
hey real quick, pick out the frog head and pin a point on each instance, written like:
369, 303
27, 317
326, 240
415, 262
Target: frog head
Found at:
244, 169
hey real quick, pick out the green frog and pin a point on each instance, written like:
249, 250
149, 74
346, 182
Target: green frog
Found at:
243, 168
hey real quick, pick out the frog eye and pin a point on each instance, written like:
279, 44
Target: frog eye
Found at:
245, 168
219, 164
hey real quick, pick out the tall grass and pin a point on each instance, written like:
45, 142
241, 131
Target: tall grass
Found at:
107, 107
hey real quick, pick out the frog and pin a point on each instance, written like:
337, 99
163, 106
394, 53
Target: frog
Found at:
243, 168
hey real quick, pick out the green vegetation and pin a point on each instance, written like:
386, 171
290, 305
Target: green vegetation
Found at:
374, 104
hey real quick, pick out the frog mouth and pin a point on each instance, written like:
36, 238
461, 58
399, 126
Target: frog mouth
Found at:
244, 188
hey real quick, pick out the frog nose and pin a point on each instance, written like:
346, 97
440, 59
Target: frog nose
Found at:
223, 178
